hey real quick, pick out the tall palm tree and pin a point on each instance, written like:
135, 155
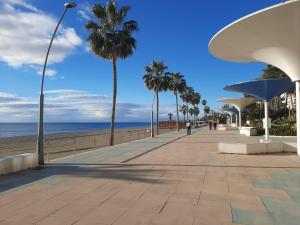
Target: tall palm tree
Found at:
177, 84
196, 112
156, 79
207, 109
191, 111
110, 37
196, 97
183, 109
187, 97
204, 102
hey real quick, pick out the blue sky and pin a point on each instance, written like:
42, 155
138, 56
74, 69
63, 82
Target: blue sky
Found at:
79, 85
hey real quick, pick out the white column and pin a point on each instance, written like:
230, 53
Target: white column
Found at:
240, 118
298, 115
236, 120
266, 120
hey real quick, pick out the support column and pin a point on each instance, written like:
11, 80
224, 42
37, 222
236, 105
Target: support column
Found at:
298, 115
236, 120
240, 118
266, 120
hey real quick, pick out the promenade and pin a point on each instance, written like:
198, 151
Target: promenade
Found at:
169, 180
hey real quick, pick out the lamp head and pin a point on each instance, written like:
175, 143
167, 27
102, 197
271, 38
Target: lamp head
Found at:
70, 5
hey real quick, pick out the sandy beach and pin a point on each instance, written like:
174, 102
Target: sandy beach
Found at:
63, 144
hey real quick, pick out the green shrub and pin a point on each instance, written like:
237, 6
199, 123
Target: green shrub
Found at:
284, 128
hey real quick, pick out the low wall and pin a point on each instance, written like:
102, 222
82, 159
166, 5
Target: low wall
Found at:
256, 148
15, 163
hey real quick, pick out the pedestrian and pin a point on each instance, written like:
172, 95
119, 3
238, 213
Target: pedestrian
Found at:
215, 125
188, 128
210, 124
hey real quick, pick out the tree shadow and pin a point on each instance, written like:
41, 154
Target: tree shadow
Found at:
49, 173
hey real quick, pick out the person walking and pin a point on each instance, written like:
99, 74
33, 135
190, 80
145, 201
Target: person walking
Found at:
210, 124
215, 125
188, 128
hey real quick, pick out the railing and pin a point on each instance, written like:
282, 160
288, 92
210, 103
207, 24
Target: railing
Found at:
60, 145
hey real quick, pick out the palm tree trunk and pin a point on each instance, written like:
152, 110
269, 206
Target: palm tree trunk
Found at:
157, 113
113, 113
187, 112
177, 111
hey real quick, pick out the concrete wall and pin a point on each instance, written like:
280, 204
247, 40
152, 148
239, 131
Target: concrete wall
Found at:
14, 163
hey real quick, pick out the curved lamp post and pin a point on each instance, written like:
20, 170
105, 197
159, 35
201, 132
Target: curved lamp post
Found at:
40, 140
271, 36
239, 104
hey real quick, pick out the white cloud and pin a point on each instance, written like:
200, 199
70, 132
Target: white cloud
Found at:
84, 11
69, 105
49, 72
25, 35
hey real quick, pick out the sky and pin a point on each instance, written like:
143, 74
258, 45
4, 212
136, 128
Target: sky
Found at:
78, 85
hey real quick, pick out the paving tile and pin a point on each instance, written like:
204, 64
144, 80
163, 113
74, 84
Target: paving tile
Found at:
105, 214
66, 216
150, 202
251, 218
208, 209
275, 205
135, 217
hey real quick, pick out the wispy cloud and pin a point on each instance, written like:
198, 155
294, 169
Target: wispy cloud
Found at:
84, 11
25, 33
69, 105
48, 72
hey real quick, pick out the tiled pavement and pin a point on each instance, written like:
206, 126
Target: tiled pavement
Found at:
122, 152
185, 182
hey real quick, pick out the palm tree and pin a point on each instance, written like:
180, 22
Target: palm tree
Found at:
177, 84
207, 109
157, 80
196, 97
170, 115
187, 97
183, 109
204, 102
196, 111
191, 111
110, 37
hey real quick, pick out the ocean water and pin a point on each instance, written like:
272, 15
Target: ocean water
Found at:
25, 129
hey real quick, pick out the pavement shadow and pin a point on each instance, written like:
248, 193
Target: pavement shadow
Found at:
50, 174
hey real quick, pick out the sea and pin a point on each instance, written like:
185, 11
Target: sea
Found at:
27, 129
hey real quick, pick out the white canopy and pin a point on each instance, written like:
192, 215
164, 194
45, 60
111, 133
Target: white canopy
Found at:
271, 36
239, 103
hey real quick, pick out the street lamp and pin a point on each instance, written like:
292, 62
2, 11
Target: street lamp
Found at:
40, 140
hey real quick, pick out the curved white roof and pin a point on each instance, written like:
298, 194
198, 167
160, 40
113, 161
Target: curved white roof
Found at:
239, 103
271, 35
226, 111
